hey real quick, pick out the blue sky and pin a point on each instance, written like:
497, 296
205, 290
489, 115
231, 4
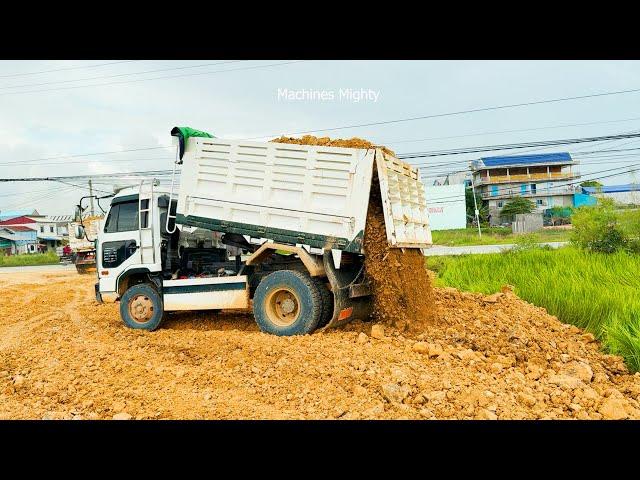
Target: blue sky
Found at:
236, 100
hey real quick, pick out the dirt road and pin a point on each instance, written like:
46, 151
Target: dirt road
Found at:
62, 355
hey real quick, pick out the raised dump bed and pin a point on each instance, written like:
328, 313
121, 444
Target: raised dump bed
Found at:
299, 194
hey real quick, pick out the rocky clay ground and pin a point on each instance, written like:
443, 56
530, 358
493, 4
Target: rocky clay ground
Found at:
63, 356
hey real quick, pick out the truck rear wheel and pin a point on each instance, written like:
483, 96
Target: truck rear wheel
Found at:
141, 307
327, 302
287, 302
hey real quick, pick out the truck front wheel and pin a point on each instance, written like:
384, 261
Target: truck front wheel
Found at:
141, 307
287, 302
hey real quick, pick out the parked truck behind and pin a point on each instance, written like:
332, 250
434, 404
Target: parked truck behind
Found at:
272, 226
83, 249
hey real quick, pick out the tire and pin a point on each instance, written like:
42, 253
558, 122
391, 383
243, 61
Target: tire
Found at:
327, 302
287, 302
147, 302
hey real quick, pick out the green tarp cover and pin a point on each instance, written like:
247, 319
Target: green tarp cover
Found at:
184, 133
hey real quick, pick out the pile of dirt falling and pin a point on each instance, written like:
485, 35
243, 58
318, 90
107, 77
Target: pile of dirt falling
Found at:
403, 295
354, 142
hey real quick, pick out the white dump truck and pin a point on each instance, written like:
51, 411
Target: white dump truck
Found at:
270, 226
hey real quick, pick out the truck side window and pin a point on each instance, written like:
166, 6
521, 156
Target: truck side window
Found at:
123, 217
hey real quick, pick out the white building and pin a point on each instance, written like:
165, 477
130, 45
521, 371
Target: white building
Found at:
446, 206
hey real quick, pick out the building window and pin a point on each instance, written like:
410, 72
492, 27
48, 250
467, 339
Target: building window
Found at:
494, 190
51, 228
41, 228
523, 189
539, 202
533, 188
500, 204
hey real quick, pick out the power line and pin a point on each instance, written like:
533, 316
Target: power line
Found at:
460, 112
85, 155
67, 68
83, 187
108, 160
83, 177
119, 75
582, 179
80, 155
477, 134
39, 198
497, 197
154, 78
513, 146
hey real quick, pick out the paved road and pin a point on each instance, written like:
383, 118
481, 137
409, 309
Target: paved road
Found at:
440, 250
38, 268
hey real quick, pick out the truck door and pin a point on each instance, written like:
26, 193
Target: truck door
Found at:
119, 247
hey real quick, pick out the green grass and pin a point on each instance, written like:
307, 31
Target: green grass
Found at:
597, 292
48, 258
492, 236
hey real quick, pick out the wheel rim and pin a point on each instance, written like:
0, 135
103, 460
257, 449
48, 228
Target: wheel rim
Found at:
141, 309
283, 307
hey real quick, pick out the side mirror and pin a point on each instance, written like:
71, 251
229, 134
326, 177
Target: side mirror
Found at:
78, 214
78, 232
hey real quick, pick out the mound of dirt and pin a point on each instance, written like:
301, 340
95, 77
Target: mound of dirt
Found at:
403, 296
63, 356
353, 142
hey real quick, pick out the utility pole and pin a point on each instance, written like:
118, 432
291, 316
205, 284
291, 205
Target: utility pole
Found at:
475, 204
91, 198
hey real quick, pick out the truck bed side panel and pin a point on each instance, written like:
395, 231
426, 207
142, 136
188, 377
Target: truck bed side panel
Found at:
291, 193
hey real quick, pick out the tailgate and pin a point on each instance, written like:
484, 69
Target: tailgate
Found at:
403, 202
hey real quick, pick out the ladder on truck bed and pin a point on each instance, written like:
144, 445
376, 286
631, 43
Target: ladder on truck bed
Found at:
146, 238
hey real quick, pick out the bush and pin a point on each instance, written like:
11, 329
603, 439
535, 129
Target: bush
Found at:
596, 228
527, 241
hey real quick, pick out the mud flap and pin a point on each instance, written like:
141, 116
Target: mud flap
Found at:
346, 305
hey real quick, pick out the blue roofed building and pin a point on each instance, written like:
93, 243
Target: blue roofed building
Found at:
547, 179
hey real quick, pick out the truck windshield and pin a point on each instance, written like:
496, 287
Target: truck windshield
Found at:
123, 217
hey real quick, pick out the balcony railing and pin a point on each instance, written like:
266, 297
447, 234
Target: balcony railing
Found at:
525, 178
516, 192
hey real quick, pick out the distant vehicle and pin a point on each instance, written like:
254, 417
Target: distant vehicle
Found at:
297, 212
83, 249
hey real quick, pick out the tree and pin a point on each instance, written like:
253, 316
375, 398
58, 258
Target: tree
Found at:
591, 183
515, 206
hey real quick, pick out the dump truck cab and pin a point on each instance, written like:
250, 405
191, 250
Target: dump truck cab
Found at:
127, 245
276, 227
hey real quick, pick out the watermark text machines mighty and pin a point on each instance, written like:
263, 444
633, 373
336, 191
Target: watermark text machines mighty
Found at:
354, 95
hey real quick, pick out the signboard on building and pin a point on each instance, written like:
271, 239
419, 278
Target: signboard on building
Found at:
446, 206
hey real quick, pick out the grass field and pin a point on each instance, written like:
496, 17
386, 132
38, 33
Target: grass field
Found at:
492, 236
48, 258
598, 292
